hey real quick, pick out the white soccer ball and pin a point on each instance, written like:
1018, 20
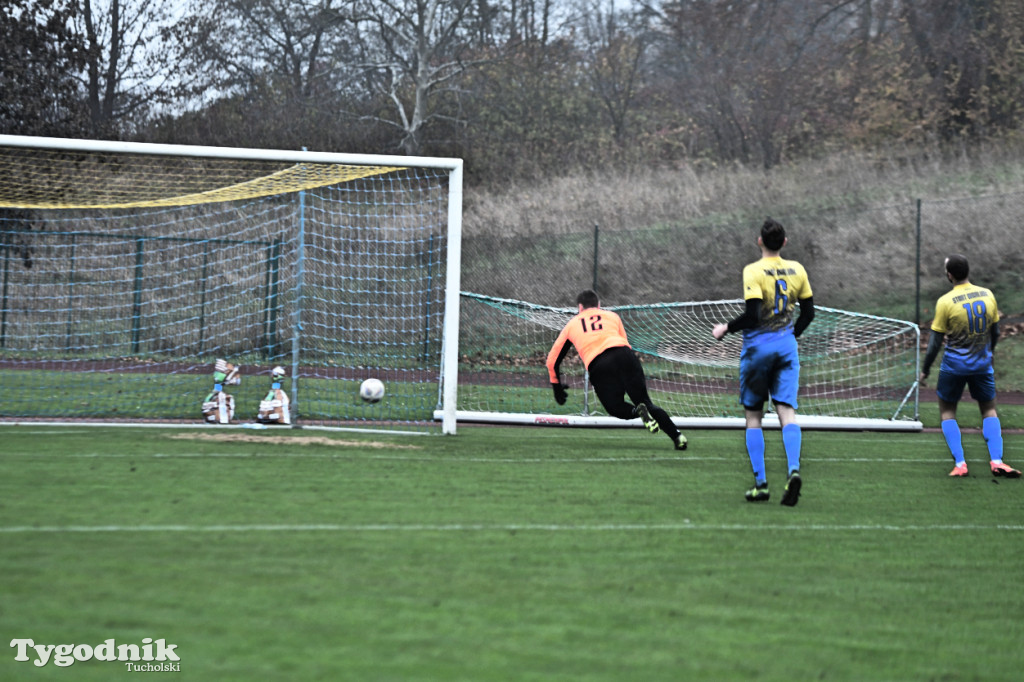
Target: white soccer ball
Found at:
371, 390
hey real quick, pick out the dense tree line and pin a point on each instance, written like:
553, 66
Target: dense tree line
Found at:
518, 87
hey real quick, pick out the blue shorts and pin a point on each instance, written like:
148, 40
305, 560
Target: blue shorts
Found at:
769, 367
950, 386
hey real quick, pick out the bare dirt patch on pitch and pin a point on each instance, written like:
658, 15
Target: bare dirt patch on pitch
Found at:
290, 440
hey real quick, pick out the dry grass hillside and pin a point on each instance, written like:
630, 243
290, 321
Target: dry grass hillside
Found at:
646, 197
683, 233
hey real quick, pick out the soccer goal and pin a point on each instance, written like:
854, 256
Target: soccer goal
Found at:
857, 371
140, 282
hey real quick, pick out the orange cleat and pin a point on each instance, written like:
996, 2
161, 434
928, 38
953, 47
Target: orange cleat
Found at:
959, 470
1000, 469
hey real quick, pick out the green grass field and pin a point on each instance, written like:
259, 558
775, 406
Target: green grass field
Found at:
509, 554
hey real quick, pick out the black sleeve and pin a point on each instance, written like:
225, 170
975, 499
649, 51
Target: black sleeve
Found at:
934, 346
806, 315
750, 317
995, 334
561, 356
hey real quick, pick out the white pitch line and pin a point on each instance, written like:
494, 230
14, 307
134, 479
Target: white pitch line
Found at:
36, 432
463, 527
640, 459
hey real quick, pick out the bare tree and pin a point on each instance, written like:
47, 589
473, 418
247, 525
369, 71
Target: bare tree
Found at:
277, 72
749, 74
41, 54
130, 61
972, 54
412, 49
293, 45
615, 43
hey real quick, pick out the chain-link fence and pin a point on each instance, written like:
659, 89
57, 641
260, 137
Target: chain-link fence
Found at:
885, 261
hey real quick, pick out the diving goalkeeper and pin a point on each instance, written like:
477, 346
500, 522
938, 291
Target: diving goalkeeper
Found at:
615, 371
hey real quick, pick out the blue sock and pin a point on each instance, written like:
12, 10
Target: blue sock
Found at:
992, 430
951, 431
755, 450
791, 439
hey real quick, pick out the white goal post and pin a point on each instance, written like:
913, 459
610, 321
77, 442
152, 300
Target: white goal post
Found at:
129, 269
858, 372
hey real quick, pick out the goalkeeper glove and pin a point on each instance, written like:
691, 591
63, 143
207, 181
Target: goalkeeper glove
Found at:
560, 394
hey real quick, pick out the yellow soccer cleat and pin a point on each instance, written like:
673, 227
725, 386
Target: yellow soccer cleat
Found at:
792, 492
759, 493
645, 416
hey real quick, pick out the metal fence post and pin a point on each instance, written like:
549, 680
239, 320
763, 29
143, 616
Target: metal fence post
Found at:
917, 269
137, 297
586, 375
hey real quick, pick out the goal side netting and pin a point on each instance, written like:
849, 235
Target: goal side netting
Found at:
128, 270
857, 371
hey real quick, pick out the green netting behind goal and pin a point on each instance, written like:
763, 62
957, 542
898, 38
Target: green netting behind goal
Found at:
857, 371
126, 275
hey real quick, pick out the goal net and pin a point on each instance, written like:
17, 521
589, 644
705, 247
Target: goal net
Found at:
857, 371
129, 270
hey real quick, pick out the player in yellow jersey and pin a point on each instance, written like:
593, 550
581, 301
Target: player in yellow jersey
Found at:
967, 317
769, 361
615, 371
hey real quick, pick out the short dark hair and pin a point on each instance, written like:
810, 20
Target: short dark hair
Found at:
956, 265
773, 234
588, 299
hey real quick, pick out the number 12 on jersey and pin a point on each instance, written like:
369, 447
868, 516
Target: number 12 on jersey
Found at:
595, 324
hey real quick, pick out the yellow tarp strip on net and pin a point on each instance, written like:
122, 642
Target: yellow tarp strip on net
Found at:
89, 183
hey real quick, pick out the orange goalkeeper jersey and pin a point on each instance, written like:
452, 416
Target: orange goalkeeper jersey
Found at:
592, 331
